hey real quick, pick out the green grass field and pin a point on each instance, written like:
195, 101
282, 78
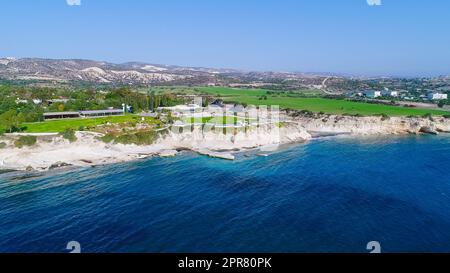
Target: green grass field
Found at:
329, 106
57, 126
233, 92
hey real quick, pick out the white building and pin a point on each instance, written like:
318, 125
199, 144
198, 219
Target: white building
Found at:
437, 96
21, 101
389, 93
372, 94
182, 110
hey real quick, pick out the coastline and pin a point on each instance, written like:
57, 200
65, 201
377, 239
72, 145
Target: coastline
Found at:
52, 151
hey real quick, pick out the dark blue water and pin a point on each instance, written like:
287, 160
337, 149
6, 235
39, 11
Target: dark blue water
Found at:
329, 195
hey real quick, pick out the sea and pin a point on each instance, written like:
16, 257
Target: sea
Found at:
332, 194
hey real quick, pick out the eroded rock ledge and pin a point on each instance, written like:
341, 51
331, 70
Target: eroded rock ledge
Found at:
52, 151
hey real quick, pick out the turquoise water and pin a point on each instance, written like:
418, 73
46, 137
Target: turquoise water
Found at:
329, 195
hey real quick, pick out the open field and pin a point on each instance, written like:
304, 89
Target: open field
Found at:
230, 92
233, 92
315, 104
166, 89
57, 126
331, 106
226, 91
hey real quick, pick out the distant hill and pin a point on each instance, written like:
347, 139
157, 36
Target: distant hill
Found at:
51, 72
102, 72
74, 70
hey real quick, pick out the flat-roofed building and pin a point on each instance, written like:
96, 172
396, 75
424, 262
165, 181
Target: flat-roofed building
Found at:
61, 115
372, 94
437, 96
52, 101
102, 113
83, 114
389, 93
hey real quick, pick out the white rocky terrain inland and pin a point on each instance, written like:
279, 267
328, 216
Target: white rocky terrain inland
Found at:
93, 71
140, 73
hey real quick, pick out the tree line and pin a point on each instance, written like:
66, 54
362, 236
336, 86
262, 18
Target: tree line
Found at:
19, 104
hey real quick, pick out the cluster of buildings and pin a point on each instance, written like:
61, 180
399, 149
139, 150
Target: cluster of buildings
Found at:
375, 94
195, 110
218, 114
386, 93
39, 102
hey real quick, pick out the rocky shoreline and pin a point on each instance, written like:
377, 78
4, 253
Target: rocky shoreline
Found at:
52, 151
377, 125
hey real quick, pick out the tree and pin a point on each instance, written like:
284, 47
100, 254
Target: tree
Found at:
69, 134
441, 103
205, 102
11, 120
170, 118
152, 102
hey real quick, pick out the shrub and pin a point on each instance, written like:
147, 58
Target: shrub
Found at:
307, 113
108, 138
446, 116
139, 138
428, 116
81, 128
25, 141
69, 134
384, 117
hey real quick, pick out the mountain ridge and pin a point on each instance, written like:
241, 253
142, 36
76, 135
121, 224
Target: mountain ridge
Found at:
66, 70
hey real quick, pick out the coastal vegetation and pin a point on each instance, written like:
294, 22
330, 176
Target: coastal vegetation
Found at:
69, 134
25, 141
138, 138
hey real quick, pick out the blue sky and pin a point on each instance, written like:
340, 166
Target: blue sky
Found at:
398, 37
